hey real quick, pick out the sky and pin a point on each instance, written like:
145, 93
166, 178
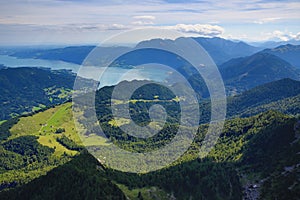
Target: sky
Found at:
30, 22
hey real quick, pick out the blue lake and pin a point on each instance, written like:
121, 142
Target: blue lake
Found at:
112, 75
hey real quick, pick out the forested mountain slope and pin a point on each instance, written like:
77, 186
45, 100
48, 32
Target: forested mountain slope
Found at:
27, 89
262, 147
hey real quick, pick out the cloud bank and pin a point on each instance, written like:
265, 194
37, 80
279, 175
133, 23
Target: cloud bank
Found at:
199, 29
284, 36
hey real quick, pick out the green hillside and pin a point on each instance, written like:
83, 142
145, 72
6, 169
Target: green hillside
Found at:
33, 145
250, 151
42, 151
25, 90
265, 94
281, 95
81, 178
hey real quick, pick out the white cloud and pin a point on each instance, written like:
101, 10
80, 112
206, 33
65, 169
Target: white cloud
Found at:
280, 35
143, 20
116, 27
140, 23
86, 27
199, 29
266, 20
145, 17
283, 36
238, 17
297, 36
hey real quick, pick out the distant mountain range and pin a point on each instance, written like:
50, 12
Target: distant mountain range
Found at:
243, 71
247, 72
74, 54
220, 50
273, 44
288, 52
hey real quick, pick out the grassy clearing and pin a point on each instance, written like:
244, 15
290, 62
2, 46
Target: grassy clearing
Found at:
148, 193
24, 176
119, 122
45, 124
62, 92
32, 124
94, 140
37, 108
51, 141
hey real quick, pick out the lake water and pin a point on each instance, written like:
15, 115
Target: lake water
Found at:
112, 75
10, 61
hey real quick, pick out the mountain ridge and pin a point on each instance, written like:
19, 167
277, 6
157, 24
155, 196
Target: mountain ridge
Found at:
220, 50
247, 72
288, 52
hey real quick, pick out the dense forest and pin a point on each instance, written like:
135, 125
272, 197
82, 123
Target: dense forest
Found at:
81, 177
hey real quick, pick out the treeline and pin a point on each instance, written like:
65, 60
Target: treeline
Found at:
69, 144
81, 178
23, 159
197, 179
5, 126
29, 147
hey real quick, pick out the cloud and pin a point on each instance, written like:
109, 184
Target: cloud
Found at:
283, 36
199, 29
184, 1
238, 17
140, 23
297, 36
276, 1
143, 20
266, 20
116, 27
280, 35
92, 26
145, 17
66, 27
